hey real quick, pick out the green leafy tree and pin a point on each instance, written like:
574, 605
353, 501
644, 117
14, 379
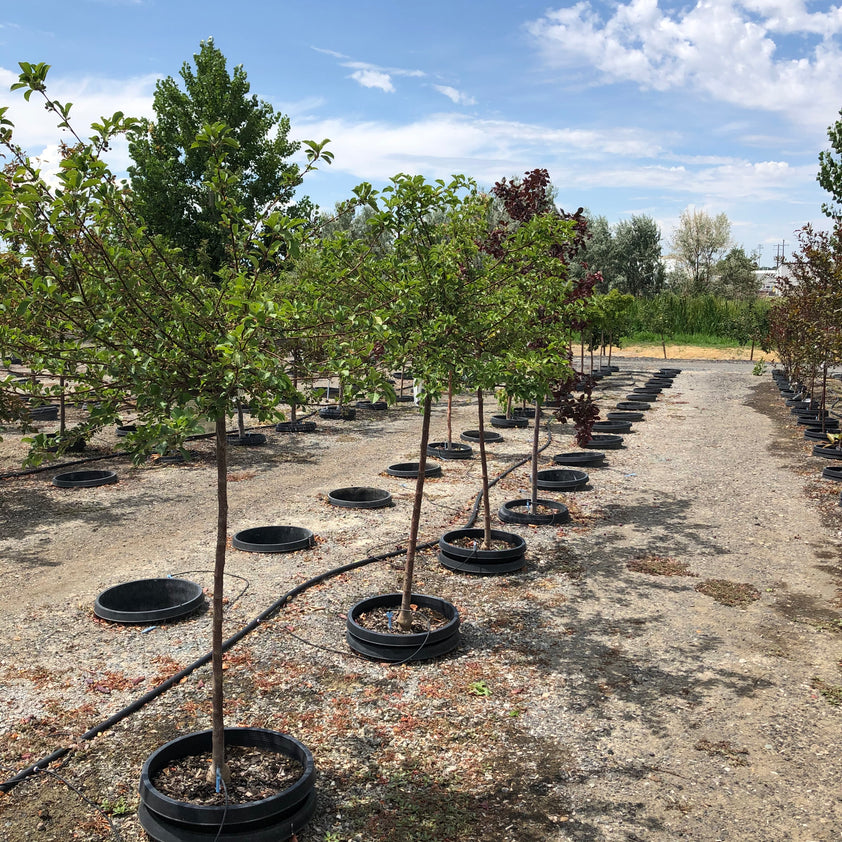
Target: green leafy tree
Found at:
734, 276
697, 243
170, 173
180, 345
830, 170
637, 266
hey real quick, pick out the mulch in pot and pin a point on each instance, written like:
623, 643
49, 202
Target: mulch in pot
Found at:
383, 619
255, 774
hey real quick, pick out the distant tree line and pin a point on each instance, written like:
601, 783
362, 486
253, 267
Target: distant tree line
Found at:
702, 259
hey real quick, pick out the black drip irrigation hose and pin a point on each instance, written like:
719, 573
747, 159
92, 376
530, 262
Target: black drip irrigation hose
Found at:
261, 618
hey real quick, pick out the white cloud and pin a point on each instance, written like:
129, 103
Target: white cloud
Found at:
725, 49
579, 161
374, 79
443, 144
371, 75
455, 95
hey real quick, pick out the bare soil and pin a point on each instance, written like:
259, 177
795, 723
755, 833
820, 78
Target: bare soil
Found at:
599, 694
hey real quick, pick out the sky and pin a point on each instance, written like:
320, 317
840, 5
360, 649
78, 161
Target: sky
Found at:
633, 106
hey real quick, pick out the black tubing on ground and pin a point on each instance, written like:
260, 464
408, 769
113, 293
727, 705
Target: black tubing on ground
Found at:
267, 614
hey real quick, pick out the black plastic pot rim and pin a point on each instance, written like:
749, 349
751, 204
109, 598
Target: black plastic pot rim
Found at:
562, 479
516, 548
235, 814
158, 607
403, 641
560, 514
478, 567
487, 436
273, 539
579, 457
84, 479
410, 470
360, 497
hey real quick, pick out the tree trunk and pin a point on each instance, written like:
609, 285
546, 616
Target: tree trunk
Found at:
534, 472
486, 503
581, 352
610, 349
824, 398
241, 423
62, 407
293, 408
449, 410
218, 764
404, 619
751, 356
509, 401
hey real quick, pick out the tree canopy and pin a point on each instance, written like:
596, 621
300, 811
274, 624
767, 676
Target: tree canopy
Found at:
170, 172
697, 243
830, 170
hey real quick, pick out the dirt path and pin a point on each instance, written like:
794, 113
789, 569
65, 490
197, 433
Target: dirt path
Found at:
591, 700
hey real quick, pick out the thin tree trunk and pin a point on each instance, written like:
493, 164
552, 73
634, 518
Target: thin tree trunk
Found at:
535, 436
404, 619
62, 407
449, 410
824, 398
293, 408
486, 503
581, 352
610, 349
751, 356
218, 726
241, 423
509, 401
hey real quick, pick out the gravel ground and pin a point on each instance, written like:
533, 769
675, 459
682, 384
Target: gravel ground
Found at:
589, 700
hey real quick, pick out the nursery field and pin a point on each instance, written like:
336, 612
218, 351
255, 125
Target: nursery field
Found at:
666, 666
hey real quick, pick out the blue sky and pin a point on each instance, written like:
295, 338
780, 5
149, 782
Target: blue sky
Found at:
634, 107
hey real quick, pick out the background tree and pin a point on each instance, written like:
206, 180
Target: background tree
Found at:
830, 170
597, 253
697, 242
636, 266
170, 173
734, 275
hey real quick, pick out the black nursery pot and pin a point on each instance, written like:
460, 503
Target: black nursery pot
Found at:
360, 497
580, 458
487, 436
246, 440
410, 470
634, 404
827, 451
605, 441
84, 479
277, 817
474, 559
612, 426
273, 539
336, 413
295, 427
149, 601
399, 648
457, 450
561, 479
520, 511
503, 423
625, 416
